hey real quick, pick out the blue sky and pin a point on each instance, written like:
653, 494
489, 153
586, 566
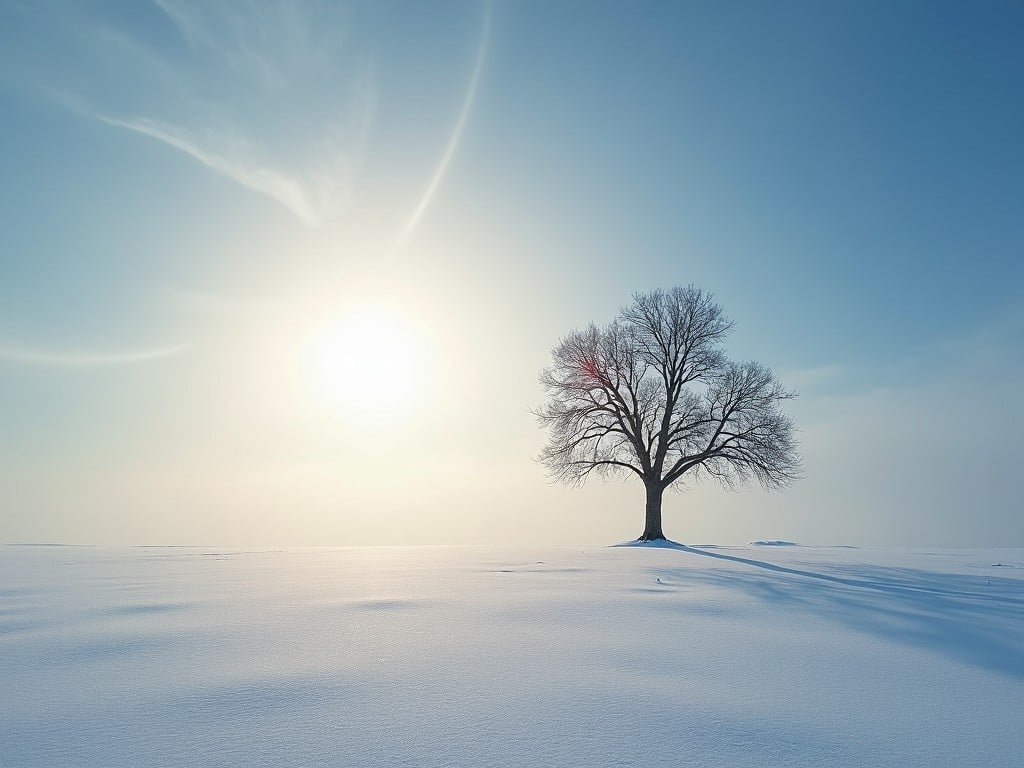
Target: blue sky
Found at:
191, 193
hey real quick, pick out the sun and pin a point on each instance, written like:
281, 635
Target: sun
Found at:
369, 365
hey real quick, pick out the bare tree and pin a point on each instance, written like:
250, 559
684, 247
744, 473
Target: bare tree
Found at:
652, 393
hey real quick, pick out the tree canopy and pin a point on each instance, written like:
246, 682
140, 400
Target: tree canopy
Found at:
652, 393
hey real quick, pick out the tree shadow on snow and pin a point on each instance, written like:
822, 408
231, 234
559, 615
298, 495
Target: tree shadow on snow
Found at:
978, 620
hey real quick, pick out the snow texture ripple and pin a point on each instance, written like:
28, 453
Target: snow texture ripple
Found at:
673, 656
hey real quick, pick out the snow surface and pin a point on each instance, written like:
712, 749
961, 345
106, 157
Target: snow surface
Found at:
731, 656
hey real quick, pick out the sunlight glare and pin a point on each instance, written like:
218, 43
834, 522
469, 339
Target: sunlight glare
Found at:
368, 365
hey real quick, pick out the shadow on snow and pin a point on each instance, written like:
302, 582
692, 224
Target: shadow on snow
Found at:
976, 620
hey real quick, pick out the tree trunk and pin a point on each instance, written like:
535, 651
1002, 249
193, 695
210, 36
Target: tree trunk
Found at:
652, 524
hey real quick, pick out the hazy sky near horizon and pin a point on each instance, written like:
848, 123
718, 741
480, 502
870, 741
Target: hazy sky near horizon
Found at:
217, 215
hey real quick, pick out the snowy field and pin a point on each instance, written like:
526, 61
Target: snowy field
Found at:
767, 655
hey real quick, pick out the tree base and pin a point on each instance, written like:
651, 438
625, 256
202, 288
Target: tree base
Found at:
652, 537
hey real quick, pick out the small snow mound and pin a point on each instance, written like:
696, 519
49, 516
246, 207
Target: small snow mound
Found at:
774, 543
657, 544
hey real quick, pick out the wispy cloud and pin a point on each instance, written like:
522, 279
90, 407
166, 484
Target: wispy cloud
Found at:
456, 136
288, 191
273, 41
79, 359
270, 95
281, 98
